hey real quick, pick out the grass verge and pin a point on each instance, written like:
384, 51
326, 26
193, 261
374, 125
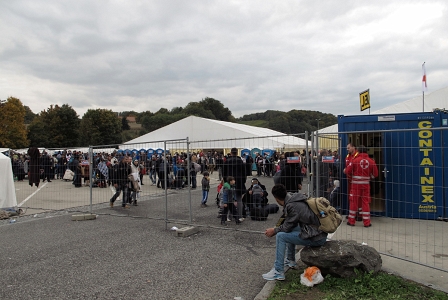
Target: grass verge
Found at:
365, 286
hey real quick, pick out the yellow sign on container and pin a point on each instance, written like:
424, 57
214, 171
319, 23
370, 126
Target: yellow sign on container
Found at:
364, 100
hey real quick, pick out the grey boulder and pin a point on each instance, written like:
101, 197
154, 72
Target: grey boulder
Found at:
341, 258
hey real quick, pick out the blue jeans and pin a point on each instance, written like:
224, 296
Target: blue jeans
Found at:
204, 197
287, 241
125, 190
152, 175
193, 179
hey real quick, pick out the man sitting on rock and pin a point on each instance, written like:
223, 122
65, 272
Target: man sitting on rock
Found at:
297, 226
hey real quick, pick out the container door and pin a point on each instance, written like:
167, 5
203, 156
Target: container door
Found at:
393, 172
412, 173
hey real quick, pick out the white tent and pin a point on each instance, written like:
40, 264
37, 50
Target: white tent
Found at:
7, 189
207, 133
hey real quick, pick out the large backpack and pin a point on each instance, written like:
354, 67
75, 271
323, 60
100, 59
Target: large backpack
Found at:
259, 213
329, 217
257, 196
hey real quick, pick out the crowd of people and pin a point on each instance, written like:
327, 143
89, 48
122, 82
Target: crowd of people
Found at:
175, 171
47, 167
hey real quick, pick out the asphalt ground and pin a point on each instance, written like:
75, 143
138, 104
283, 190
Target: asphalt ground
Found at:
133, 254
113, 257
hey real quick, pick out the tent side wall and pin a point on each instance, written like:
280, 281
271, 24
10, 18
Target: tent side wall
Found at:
7, 188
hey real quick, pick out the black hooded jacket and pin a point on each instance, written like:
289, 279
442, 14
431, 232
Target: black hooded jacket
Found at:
297, 212
235, 167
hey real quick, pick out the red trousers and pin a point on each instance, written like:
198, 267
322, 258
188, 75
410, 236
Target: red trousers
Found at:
359, 193
349, 188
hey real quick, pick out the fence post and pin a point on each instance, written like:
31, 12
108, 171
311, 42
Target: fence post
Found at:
313, 167
189, 178
317, 165
90, 176
165, 184
307, 161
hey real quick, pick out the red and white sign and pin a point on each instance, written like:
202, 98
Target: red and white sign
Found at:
328, 159
293, 160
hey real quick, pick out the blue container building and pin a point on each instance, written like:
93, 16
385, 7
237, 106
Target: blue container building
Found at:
409, 150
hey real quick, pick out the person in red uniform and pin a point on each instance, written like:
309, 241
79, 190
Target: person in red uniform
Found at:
361, 169
352, 154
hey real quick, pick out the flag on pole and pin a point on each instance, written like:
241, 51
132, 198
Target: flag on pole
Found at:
424, 84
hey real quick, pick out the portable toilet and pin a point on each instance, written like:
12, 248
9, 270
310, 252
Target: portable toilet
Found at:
269, 152
245, 152
253, 153
409, 150
150, 152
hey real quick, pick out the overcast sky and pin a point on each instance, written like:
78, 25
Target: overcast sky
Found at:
250, 55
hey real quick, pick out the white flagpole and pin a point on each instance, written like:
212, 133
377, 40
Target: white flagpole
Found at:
424, 86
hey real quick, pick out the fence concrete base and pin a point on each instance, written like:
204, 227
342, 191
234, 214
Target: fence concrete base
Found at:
83, 217
186, 231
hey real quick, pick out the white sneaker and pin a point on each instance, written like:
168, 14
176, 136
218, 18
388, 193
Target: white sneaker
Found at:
274, 275
242, 219
290, 263
228, 220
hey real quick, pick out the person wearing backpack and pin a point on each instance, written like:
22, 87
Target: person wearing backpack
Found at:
256, 194
297, 226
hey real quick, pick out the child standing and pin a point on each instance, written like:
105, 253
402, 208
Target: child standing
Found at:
229, 201
205, 188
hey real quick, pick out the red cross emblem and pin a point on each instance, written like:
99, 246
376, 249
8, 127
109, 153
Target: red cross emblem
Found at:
364, 163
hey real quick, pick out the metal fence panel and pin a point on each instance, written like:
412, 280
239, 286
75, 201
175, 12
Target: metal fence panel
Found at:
408, 199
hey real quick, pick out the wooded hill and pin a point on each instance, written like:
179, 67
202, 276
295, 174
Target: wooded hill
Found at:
60, 126
294, 121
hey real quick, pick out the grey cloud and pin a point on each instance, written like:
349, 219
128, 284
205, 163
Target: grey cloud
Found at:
251, 55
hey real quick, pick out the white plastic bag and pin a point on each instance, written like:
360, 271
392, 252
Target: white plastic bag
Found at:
311, 276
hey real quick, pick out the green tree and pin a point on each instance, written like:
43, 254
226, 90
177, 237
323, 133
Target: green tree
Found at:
37, 133
124, 124
12, 128
128, 113
29, 115
196, 109
163, 111
298, 121
140, 116
56, 127
100, 127
217, 108
176, 110
280, 124
160, 120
